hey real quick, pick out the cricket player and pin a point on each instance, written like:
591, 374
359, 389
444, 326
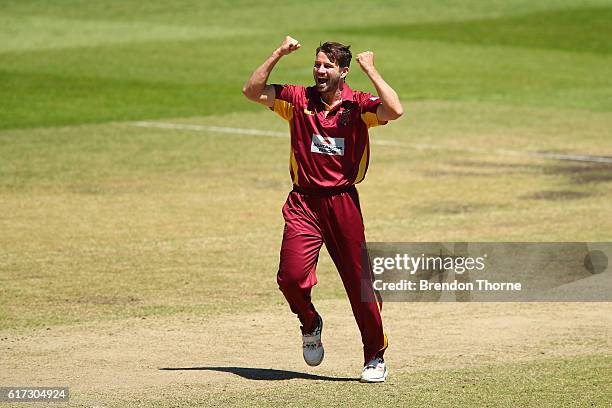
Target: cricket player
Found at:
329, 154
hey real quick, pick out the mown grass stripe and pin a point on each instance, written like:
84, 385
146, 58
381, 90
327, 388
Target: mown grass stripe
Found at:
382, 142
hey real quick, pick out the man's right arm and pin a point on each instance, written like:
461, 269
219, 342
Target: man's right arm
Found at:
256, 88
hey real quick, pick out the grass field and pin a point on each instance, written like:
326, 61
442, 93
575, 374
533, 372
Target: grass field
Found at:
135, 237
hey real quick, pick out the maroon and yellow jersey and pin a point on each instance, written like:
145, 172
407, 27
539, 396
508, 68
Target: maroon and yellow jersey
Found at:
329, 148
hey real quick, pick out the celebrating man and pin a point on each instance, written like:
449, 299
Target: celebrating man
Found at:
329, 154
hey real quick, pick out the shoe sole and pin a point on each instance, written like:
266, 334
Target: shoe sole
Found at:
319, 362
376, 380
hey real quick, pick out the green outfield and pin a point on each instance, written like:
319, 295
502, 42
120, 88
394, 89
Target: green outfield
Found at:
140, 192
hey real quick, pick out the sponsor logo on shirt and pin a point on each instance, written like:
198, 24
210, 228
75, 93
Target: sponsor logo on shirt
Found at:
333, 146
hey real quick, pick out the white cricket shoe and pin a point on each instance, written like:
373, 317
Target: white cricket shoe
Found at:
312, 347
375, 371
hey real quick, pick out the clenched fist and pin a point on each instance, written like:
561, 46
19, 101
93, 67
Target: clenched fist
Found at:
366, 60
288, 45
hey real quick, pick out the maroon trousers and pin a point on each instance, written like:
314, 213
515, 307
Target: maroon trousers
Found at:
334, 218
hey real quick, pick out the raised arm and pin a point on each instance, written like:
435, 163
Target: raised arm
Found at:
256, 88
391, 107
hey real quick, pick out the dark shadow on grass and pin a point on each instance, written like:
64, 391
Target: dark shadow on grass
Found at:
262, 373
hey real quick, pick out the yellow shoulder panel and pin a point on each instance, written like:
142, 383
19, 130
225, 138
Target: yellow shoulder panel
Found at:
283, 108
371, 119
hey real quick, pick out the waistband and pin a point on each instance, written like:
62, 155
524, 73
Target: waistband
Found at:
323, 191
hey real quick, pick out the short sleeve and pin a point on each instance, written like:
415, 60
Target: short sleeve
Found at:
368, 105
284, 100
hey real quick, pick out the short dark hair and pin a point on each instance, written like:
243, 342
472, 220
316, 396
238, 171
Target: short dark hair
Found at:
336, 52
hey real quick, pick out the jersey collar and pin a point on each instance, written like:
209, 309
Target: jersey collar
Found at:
346, 95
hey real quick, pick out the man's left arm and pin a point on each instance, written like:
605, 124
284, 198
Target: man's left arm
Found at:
391, 107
